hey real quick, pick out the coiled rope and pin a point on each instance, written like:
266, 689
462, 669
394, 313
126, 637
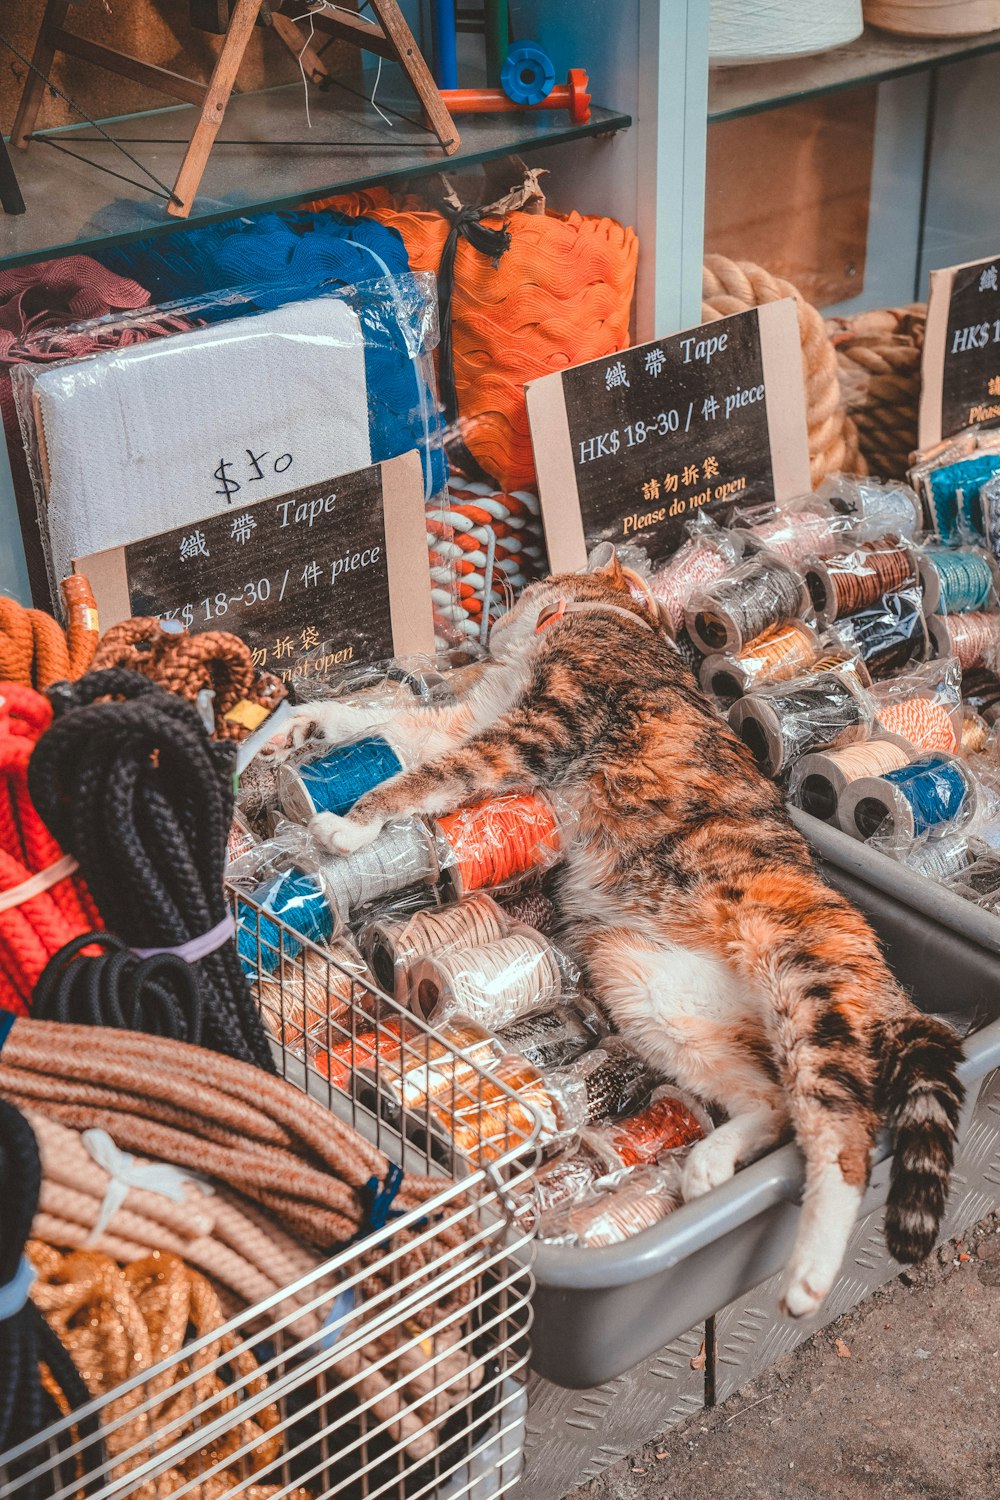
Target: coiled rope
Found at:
35, 650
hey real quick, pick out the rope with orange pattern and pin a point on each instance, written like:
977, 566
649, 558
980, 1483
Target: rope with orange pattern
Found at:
35, 651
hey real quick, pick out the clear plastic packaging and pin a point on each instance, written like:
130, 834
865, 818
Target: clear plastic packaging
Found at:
935, 859
481, 1118
826, 710
889, 636
973, 639
307, 1004
614, 1214
615, 1079
981, 691
794, 532
394, 940
949, 480
923, 707
565, 1179
933, 795
740, 607
958, 580
671, 1121
498, 842
783, 651
859, 578
878, 506
979, 882
549, 1038
495, 984
707, 555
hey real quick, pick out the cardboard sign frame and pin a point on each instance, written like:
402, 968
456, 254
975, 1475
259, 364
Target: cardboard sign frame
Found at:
931, 424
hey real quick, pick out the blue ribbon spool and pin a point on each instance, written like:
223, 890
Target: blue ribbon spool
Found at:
300, 901
528, 74
335, 782
964, 582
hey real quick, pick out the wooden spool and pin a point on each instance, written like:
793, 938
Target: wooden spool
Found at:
934, 17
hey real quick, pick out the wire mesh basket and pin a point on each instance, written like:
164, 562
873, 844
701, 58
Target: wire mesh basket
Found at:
394, 1370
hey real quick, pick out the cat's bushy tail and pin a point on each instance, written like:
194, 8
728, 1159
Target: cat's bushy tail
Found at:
919, 1095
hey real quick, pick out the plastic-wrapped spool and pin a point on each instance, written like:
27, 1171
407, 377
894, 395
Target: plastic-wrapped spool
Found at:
308, 1003
981, 691
972, 639
922, 721
783, 651
738, 610
959, 582
822, 777
335, 781
694, 565
938, 859
499, 840
798, 536
888, 506
392, 945
494, 984
669, 1121
858, 580
890, 635
549, 1039
301, 903
929, 794
611, 1217
823, 713
402, 856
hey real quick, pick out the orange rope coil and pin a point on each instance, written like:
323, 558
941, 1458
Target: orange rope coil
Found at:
35, 651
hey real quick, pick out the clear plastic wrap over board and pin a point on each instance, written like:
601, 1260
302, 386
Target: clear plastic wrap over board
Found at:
246, 376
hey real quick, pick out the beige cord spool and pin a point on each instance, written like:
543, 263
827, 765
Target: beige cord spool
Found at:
403, 855
822, 778
392, 946
730, 286
729, 677
934, 17
493, 984
973, 639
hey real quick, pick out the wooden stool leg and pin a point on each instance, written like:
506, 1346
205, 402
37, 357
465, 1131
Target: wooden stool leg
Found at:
34, 86
411, 60
304, 53
10, 194
213, 110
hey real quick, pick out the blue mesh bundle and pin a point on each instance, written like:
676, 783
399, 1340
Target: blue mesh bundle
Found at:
284, 257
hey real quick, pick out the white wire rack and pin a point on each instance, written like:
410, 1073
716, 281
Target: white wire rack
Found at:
395, 1370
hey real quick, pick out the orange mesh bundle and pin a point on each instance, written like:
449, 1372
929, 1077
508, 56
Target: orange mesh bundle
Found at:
560, 295
35, 651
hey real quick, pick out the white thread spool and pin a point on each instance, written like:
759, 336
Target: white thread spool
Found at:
493, 985
742, 32
401, 856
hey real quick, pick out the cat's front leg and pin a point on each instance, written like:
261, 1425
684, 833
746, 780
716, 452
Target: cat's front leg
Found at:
745, 1135
487, 765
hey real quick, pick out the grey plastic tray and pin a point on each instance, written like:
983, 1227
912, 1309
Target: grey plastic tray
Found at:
599, 1312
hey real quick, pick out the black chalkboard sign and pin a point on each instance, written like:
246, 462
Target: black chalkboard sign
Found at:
630, 447
961, 358
336, 564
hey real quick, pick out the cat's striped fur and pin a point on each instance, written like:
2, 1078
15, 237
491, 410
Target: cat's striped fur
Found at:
696, 909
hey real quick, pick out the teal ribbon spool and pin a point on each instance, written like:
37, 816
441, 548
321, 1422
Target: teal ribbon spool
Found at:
339, 779
300, 902
965, 581
935, 789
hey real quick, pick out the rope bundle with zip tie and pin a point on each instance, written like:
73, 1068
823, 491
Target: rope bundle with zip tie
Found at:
493, 985
492, 540
738, 609
30, 1401
213, 661
973, 639
859, 579
499, 840
35, 651
392, 945
114, 987
44, 902
206, 1113
136, 791
121, 1322
957, 582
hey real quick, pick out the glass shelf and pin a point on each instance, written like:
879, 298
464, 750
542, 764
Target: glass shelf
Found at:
265, 157
874, 57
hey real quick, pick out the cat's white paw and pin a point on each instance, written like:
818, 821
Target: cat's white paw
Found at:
806, 1287
340, 835
708, 1165
335, 722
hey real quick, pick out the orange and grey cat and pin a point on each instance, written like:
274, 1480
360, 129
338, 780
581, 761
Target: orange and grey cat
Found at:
695, 908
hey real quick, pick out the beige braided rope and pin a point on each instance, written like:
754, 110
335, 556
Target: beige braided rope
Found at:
730, 286
879, 355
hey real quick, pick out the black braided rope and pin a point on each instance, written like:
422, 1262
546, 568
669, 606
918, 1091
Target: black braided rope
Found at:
157, 996
27, 1341
143, 799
